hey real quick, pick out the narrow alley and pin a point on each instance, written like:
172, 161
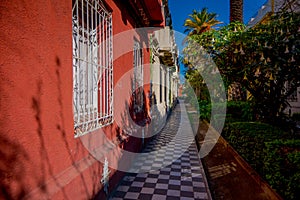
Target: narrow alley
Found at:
169, 167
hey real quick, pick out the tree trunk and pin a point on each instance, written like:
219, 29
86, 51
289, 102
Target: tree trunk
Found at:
236, 14
236, 10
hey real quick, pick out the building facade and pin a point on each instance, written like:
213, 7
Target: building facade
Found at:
74, 78
164, 74
273, 6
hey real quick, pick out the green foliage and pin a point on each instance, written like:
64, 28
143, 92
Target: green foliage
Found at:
248, 139
205, 110
282, 167
296, 116
294, 159
236, 111
195, 81
271, 152
217, 120
241, 110
190, 95
262, 59
199, 22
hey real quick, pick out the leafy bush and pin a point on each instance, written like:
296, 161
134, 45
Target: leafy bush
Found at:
296, 116
271, 152
241, 110
190, 96
235, 111
248, 138
205, 110
282, 167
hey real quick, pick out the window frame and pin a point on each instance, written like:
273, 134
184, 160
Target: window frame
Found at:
92, 66
138, 78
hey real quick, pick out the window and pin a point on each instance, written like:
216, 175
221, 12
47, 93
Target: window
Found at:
138, 80
92, 66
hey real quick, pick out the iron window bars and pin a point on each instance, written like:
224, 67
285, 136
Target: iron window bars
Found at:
138, 79
92, 66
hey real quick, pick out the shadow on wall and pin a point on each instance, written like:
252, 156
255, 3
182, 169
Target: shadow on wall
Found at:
129, 17
134, 119
13, 156
46, 166
12, 159
15, 163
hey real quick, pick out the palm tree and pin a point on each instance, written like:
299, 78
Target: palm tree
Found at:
199, 22
236, 15
236, 10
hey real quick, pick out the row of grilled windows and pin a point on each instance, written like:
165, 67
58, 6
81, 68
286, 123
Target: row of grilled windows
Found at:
93, 67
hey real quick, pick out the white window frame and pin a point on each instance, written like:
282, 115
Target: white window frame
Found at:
138, 79
92, 66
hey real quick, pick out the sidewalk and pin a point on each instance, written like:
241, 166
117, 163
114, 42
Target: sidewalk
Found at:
169, 167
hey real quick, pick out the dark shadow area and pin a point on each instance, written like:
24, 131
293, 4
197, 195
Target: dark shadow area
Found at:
12, 159
13, 156
130, 139
46, 164
129, 16
127, 13
61, 126
157, 141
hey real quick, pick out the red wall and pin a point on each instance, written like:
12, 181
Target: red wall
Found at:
39, 156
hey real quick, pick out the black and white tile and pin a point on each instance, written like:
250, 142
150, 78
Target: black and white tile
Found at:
169, 166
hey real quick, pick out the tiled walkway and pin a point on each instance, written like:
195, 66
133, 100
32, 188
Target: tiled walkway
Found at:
169, 167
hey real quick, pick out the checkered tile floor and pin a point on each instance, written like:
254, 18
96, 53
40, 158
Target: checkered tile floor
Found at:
168, 168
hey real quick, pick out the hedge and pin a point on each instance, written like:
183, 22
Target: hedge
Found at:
271, 152
240, 110
282, 167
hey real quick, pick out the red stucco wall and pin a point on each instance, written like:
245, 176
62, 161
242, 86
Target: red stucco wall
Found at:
40, 158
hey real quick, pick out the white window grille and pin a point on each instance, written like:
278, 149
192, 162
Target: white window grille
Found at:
138, 79
92, 66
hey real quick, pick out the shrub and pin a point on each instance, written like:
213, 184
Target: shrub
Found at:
248, 139
271, 152
282, 167
205, 110
241, 110
296, 116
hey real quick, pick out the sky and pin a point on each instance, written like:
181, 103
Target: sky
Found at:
180, 9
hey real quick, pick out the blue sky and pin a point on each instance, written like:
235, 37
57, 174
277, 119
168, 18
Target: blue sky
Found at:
180, 9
